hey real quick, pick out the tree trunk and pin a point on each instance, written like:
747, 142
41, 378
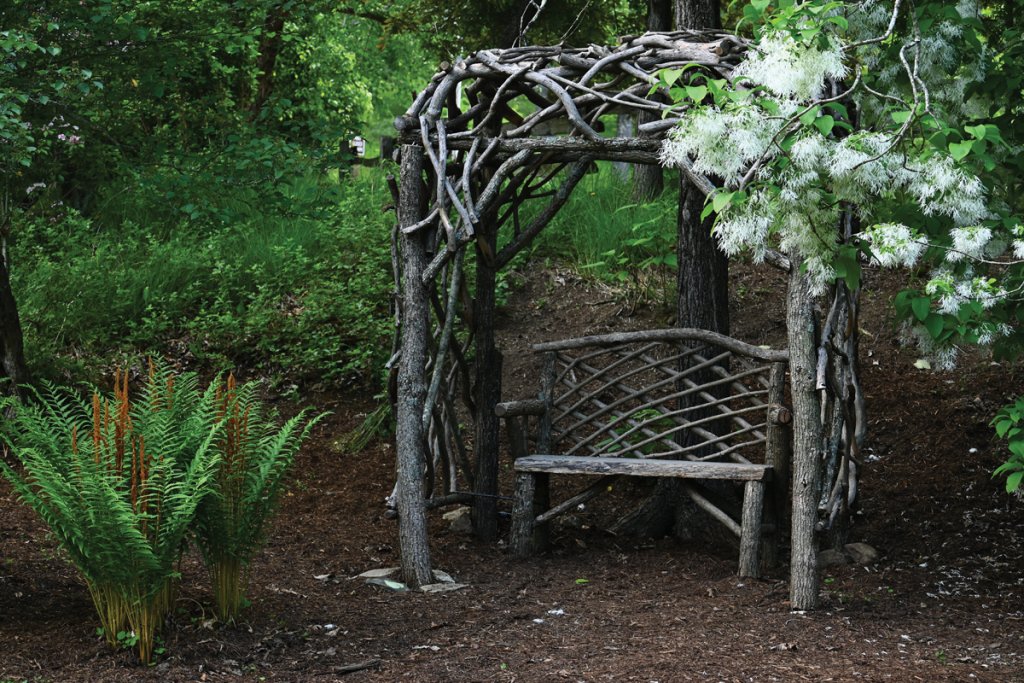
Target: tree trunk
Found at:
487, 393
648, 180
698, 14
625, 128
12, 342
412, 379
702, 279
703, 275
807, 434
271, 40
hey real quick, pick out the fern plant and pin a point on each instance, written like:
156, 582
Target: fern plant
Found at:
254, 455
118, 483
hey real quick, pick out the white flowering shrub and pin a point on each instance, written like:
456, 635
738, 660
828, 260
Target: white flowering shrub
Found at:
874, 109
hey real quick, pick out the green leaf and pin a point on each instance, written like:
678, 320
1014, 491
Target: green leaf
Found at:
900, 117
921, 306
839, 21
824, 124
697, 93
958, 150
721, 200
934, 324
707, 211
807, 118
1013, 481
670, 76
977, 131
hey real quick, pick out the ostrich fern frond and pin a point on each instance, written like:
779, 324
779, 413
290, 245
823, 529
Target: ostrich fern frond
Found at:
254, 455
118, 483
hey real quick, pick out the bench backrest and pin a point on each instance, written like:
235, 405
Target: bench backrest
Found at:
680, 394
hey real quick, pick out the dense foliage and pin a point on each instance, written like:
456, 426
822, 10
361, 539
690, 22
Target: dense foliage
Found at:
842, 139
174, 178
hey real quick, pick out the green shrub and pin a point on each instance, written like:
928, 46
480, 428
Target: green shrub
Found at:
301, 297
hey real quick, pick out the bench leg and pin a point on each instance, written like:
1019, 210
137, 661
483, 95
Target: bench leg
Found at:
750, 536
531, 498
521, 541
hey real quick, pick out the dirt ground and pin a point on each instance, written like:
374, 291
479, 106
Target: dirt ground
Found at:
945, 601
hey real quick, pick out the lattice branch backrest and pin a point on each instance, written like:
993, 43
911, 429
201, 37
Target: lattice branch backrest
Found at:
660, 399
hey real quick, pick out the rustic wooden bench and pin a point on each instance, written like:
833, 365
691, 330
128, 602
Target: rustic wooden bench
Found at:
680, 403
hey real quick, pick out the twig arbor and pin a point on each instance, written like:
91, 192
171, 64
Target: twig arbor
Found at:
488, 134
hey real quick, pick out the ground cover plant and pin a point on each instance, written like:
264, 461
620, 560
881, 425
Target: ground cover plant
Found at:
123, 484
118, 483
253, 457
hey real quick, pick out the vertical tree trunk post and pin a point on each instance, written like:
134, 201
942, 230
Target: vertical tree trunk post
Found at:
648, 179
625, 128
777, 454
488, 391
12, 349
750, 537
807, 435
412, 379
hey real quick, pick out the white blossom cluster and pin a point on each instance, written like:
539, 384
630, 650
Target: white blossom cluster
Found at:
940, 357
936, 57
723, 143
954, 290
894, 245
798, 204
790, 69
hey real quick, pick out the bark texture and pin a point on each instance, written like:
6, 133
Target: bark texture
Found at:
648, 179
487, 394
807, 431
11, 338
697, 14
412, 379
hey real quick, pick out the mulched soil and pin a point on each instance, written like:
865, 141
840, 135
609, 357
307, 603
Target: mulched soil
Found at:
945, 602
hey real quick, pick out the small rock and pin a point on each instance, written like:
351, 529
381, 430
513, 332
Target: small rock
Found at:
442, 587
459, 520
388, 583
379, 573
861, 553
443, 577
831, 558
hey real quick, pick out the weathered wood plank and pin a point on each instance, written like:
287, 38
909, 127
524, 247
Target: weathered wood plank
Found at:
532, 406
683, 469
670, 334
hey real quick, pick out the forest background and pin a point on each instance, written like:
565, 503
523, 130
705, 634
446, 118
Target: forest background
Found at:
175, 179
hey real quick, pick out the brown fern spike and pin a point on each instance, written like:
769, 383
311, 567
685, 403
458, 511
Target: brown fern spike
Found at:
170, 393
122, 423
135, 479
96, 420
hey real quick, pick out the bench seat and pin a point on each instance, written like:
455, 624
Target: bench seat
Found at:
530, 515
639, 467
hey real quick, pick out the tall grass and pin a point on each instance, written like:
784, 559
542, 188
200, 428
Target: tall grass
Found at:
605, 233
